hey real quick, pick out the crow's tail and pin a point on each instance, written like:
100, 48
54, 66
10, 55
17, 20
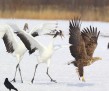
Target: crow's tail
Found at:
15, 89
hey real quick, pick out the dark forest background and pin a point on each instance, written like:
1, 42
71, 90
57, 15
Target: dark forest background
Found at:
55, 9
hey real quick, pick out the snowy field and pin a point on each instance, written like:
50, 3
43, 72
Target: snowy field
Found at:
96, 75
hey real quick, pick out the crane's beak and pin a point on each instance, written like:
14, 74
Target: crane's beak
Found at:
61, 34
58, 33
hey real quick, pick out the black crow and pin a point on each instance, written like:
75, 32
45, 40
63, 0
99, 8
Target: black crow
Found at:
8, 85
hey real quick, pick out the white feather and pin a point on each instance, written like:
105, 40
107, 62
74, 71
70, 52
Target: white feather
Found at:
44, 28
19, 48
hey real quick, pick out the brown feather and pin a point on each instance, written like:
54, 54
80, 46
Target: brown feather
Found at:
90, 40
83, 44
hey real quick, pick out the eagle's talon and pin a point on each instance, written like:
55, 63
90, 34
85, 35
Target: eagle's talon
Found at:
82, 78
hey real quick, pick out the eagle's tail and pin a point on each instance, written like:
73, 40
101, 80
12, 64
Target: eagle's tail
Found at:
81, 78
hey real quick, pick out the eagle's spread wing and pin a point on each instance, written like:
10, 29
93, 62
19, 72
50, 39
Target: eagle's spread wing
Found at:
77, 49
90, 36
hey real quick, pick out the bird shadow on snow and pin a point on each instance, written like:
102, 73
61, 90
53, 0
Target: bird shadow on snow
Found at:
45, 83
80, 84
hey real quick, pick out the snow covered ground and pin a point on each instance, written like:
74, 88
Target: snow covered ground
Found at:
96, 75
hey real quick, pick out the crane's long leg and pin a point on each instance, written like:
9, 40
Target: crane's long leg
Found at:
50, 76
19, 60
34, 73
14, 80
20, 74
